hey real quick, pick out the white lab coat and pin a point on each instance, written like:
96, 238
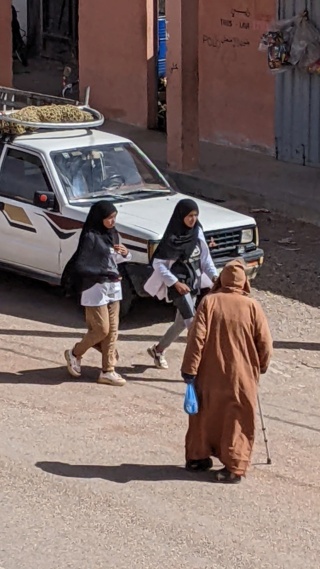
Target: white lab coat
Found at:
162, 278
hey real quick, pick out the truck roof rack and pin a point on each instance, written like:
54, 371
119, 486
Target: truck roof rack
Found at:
12, 100
15, 99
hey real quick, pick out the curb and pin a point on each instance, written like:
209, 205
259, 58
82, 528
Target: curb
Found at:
202, 187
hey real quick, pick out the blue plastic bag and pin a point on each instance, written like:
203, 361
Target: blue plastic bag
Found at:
191, 406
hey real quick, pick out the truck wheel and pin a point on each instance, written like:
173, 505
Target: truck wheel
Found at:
127, 297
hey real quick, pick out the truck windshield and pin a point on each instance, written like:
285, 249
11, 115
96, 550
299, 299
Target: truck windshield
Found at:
115, 171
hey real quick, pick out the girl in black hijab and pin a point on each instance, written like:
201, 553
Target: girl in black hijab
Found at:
93, 270
180, 262
179, 239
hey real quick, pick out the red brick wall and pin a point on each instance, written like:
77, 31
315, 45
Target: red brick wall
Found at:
113, 57
5, 44
237, 92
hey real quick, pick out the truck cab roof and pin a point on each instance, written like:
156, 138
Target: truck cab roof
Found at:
52, 141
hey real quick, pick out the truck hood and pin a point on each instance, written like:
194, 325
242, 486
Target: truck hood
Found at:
148, 218
152, 215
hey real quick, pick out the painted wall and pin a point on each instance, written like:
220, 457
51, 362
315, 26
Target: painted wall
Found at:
113, 57
21, 7
237, 92
6, 50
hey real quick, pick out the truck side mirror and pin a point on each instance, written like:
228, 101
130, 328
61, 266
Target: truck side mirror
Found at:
45, 200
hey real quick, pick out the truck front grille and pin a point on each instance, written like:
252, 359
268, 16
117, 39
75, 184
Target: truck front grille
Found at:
223, 243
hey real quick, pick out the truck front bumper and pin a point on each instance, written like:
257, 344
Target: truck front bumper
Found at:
253, 259
139, 274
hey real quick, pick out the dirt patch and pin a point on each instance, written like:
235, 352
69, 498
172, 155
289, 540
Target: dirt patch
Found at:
292, 261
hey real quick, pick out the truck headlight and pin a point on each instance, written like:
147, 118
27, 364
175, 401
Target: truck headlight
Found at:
247, 236
256, 236
152, 245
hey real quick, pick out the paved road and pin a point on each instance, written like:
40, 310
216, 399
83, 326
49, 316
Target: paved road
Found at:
92, 477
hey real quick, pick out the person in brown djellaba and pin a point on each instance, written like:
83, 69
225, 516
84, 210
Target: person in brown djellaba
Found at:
229, 346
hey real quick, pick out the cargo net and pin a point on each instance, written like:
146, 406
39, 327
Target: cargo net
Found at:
57, 114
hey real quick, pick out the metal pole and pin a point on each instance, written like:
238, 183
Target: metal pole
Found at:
264, 430
87, 97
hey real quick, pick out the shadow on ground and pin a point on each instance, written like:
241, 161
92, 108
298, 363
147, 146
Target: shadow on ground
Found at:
33, 300
48, 376
59, 375
307, 346
151, 338
123, 473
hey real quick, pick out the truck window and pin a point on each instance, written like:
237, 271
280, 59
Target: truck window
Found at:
109, 170
22, 175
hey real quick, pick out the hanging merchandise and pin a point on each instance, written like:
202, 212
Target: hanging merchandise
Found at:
278, 52
305, 49
292, 43
277, 42
315, 68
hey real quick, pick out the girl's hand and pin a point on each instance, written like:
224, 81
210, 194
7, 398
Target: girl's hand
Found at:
121, 250
182, 288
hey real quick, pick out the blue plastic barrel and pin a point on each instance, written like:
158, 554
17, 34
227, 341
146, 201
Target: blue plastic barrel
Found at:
162, 46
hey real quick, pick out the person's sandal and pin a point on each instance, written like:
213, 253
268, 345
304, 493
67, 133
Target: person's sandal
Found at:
224, 476
199, 465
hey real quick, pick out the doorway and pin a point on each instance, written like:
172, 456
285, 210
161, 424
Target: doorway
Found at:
51, 38
60, 29
161, 66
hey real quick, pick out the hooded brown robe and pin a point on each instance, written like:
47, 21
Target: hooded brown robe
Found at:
229, 346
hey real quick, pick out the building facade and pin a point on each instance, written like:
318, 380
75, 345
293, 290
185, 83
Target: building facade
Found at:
239, 101
236, 92
6, 44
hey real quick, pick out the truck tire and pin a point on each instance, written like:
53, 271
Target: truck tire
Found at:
127, 297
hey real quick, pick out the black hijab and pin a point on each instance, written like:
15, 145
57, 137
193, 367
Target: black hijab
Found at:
179, 241
70, 280
94, 222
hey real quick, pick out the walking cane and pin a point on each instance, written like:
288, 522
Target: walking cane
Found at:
264, 430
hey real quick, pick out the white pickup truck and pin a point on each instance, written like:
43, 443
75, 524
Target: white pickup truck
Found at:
49, 178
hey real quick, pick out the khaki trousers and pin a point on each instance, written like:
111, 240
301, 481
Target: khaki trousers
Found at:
103, 326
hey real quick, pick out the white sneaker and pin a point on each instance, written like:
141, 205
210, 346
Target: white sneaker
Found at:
159, 360
73, 363
111, 378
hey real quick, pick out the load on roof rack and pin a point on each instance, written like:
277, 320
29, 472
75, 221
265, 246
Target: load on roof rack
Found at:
13, 100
